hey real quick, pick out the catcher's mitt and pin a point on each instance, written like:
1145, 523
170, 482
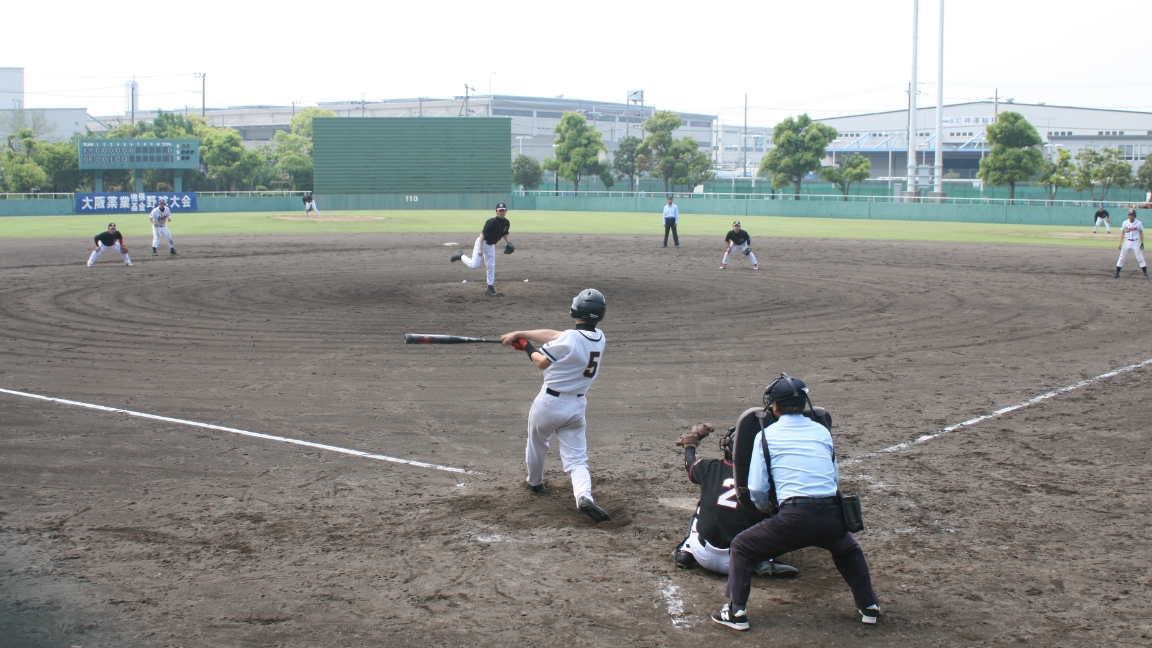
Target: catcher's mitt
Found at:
509, 249
747, 251
692, 438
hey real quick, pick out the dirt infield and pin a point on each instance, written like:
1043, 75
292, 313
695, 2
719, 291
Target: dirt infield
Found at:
1030, 528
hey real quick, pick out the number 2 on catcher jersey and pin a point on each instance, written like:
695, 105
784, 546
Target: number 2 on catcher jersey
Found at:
728, 498
593, 364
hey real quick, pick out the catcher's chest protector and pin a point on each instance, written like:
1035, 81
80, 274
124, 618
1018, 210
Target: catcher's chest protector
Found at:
743, 443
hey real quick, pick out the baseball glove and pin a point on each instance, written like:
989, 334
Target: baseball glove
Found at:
692, 438
509, 249
747, 251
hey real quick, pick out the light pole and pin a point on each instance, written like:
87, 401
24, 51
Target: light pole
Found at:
203, 81
520, 140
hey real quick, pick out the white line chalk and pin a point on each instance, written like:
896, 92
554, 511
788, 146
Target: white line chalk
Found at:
258, 435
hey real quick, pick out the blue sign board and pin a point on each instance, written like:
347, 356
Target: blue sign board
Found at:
126, 203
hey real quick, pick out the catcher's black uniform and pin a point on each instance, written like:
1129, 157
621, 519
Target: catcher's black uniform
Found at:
719, 517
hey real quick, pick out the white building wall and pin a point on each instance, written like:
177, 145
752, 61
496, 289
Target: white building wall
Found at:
11, 88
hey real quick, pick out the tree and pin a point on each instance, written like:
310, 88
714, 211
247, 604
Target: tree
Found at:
1014, 156
61, 165
624, 161
577, 145
685, 164
526, 172
798, 146
856, 168
19, 171
221, 151
655, 152
14, 121
550, 164
606, 174
1054, 175
301, 122
1105, 169
1144, 175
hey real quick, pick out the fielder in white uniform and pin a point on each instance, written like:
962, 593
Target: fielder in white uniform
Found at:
571, 361
1131, 238
160, 217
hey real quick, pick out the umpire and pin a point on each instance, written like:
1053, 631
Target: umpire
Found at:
802, 475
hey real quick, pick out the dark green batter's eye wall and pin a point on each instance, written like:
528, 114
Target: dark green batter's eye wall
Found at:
411, 155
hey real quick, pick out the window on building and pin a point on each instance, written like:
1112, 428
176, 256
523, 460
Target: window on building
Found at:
700, 124
548, 114
507, 112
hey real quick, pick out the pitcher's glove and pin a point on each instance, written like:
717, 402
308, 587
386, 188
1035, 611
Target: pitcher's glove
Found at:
692, 438
509, 249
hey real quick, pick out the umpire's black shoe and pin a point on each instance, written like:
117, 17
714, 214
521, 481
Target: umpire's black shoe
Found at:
773, 568
735, 620
539, 489
491, 291
589, 508
154, 252
456, 257
870, 615
684, 559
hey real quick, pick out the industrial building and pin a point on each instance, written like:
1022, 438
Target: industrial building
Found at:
54, 124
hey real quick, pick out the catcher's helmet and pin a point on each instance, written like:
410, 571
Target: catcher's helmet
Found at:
786, 390
589, 306
726, 443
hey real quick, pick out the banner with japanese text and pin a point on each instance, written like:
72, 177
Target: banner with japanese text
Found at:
125, 203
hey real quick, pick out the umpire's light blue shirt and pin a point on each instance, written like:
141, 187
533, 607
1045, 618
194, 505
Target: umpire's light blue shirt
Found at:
673, 212
803, 461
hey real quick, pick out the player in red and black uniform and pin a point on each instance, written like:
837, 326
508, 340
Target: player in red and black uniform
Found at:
111, 239
719, 516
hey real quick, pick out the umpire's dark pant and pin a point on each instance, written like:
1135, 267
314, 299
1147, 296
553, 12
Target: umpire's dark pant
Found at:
670, 224
795, 527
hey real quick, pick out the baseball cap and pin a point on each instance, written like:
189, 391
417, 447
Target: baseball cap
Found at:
735, 222
111, 224
500, 206
1131, 212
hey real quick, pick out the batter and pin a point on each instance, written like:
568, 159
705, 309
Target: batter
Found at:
160, 218
1131, 238
112, 239
570, 361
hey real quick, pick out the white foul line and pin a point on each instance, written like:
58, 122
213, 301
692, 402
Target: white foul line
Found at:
1000, 412
258, 435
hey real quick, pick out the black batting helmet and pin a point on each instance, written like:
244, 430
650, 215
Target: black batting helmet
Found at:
589, 306
786, 390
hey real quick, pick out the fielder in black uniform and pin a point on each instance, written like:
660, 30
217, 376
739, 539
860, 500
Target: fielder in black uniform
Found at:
109, 240
719, 516
485, 247
310, 205
740, 241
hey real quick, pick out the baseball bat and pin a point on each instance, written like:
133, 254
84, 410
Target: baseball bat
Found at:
416, 338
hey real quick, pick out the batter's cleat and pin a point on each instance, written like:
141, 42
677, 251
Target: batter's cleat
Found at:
589, 508
756, 267
89, 265
684, 559
456, 257
154, 252
1116, 275
128, 263
539, 489
870, 615
735, 620
491, 292
722, 267
772, 568
172, 251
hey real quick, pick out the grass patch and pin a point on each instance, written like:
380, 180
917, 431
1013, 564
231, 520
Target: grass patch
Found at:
555, 222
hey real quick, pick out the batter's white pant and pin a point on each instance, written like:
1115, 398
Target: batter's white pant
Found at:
1099, 222
310, 207
157, 232
1135, 247
563, 416
489, 255
709, 557
738, 248
115, 246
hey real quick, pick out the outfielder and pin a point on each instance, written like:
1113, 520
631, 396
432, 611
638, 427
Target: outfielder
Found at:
310, 205
494, 230
112, 239
719, 516
1102, 218
740, 241
570, 361
160, 218
1131, 238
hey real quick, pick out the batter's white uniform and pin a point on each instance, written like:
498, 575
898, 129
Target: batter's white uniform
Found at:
489, 258
560, 405
160, 217
1131, 230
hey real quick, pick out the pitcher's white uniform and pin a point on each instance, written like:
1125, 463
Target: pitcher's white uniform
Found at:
160, 217
1131, 230
560, 405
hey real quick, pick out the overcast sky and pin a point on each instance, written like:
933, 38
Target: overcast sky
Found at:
827, 58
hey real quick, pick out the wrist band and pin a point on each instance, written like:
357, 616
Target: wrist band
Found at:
529, 349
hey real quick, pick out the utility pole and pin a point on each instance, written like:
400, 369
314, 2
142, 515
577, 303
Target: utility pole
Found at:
939, 166
912, 90
203, 103
744, 143
996, 104
132, 94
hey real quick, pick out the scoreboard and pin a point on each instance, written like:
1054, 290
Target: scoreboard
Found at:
120, 154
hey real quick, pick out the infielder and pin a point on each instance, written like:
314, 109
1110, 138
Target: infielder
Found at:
1131, 238
738, 240
719, 516
160, 218
112, 239
310, 205
494, 230
1102, 218
570, 361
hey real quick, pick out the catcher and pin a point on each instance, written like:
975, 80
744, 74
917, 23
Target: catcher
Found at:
738, 240
719, 517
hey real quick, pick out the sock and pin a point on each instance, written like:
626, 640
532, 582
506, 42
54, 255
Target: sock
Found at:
737, 609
